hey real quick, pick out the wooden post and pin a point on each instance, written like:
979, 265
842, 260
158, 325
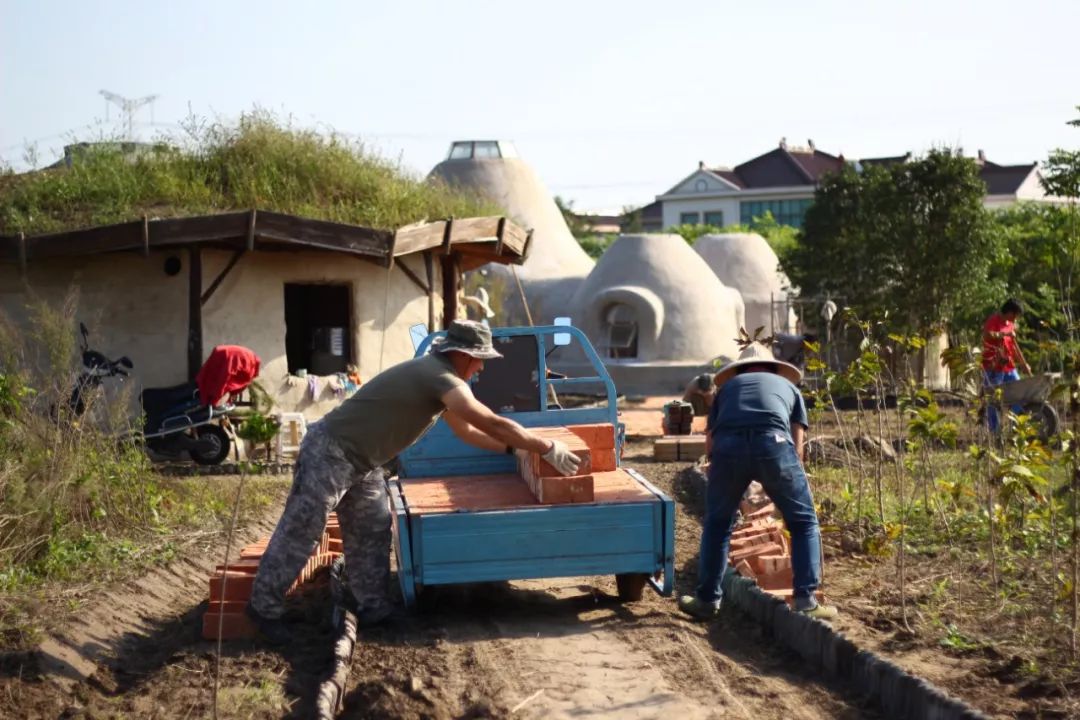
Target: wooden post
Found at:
251, 232
195, 346
145, 236
22, 254
450, 289
429, 269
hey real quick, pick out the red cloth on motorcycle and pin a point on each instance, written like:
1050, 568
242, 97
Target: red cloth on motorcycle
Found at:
228, 370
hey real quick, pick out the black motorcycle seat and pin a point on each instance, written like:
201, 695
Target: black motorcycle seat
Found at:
158, 401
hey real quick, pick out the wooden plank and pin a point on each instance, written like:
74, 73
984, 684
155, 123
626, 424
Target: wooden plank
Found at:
419, 237
412, 276
450, 289
251, 231
325, 235
485, 230
429, 272
469, 544
221, 277
21, 252
198, 229
532, 568
195, 340
89, 241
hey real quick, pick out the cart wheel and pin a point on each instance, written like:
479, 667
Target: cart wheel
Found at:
631, 585
1046, 417
213, 445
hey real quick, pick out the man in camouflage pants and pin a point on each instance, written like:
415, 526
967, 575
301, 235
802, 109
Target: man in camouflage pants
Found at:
340, 462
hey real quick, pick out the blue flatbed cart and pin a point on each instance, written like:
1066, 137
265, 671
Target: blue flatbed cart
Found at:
462, 515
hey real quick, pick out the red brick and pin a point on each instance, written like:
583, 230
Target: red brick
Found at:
753, 528
233, 626
744, 569
333, 532
243, 565
232, 606
237, 586
252, 553
335, 546
598, 436
753, 551
779, 580
537, 466
563, 490
603, 460
766, 511
770, 564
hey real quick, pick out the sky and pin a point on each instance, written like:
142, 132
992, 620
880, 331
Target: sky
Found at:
613, 102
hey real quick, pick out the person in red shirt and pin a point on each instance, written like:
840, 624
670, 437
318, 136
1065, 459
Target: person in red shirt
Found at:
1001, 353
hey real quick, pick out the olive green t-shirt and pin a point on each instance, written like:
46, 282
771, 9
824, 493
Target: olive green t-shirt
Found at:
392, 411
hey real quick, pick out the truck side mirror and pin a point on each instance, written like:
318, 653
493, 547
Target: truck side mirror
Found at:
560, 339
417, 333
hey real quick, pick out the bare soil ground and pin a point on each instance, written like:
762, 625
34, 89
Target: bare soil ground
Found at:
544, 649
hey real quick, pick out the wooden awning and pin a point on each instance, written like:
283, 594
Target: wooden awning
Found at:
475, 241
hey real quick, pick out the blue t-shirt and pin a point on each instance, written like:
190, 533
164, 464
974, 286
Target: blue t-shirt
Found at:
757, 401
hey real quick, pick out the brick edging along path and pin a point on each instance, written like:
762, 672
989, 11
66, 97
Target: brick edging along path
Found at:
897, 693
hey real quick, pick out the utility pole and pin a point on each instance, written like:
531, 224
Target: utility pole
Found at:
129, 106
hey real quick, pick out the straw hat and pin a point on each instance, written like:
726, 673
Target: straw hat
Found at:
757, 354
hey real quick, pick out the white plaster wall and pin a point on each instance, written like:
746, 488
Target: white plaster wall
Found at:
745, 262
673, 208
133, 308
249, 309
130, 305
684, 314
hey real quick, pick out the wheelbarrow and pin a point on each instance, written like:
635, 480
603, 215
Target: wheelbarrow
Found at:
1029, 396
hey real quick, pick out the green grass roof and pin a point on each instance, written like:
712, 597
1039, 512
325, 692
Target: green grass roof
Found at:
257, 163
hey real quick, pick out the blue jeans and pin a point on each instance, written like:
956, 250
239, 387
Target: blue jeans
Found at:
738, 458
993, 378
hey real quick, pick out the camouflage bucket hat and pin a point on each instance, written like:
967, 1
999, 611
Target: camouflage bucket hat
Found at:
469, 337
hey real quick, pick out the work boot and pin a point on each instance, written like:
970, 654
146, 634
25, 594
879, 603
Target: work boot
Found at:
698, 608
273, 630
819, 611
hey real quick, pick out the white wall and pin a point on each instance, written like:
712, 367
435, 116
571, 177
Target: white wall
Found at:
672, 209
135, 309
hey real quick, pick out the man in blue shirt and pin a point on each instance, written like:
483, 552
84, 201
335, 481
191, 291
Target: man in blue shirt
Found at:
756, 431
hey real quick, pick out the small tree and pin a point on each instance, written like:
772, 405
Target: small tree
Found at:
911, 239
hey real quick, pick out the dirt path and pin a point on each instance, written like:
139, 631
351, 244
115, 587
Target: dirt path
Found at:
562, 648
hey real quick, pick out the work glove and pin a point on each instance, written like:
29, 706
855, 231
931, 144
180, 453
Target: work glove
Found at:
560, 458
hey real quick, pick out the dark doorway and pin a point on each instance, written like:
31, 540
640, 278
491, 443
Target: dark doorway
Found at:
318, 330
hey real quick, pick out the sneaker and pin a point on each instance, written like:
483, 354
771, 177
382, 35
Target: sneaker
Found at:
698, 608
273, 630
821, 612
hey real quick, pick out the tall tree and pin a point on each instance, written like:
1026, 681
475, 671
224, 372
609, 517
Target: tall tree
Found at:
910, 239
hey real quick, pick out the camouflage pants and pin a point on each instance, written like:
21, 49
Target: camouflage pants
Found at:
324, 480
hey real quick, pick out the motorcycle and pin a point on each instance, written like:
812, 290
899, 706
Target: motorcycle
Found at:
176, 420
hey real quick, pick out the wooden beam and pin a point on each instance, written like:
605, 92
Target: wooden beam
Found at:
429, 270
251, 232
448, 235
326, 235
499, 234
412, 276
221, 277
21, 249
450, 289
194, 346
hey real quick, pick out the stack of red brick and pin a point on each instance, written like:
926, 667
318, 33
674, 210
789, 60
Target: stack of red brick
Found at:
760, 549
595, 447
230, 585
